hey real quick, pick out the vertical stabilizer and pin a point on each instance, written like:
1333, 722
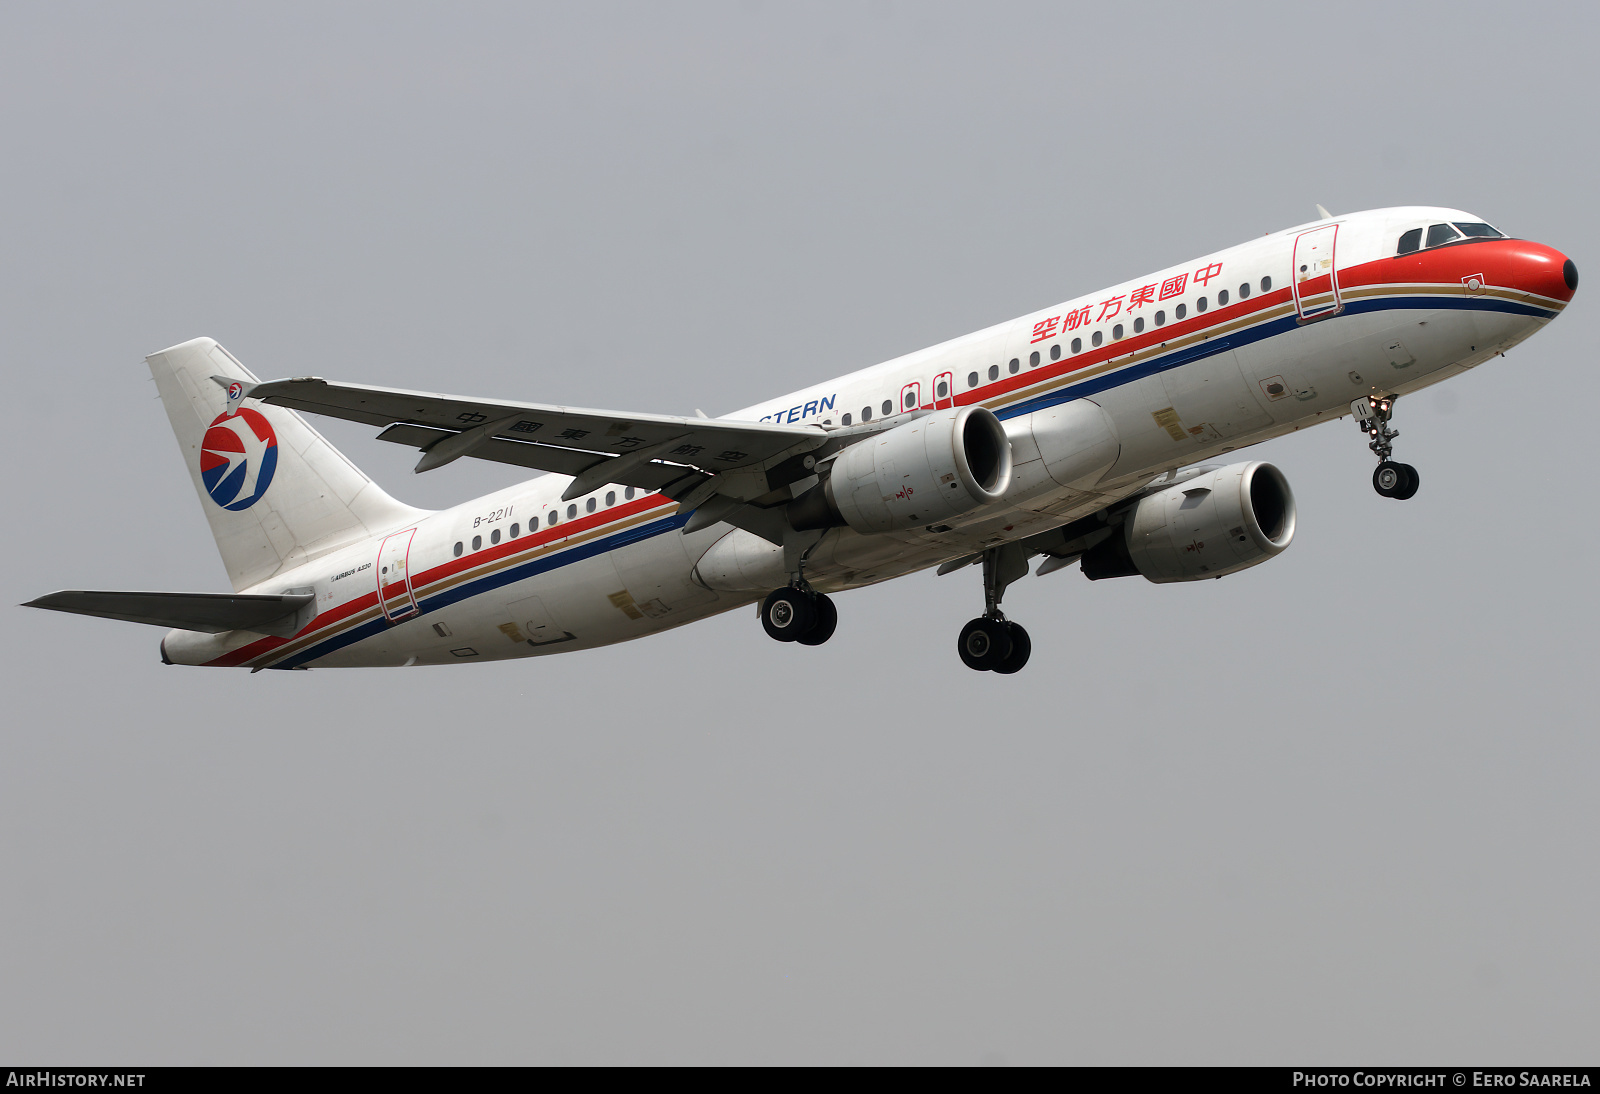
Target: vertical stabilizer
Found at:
275, 492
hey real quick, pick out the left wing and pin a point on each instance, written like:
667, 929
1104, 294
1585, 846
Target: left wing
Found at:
688, 459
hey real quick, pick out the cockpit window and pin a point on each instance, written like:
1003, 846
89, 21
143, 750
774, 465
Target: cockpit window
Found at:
1410, 241
1441, 233
1474, 230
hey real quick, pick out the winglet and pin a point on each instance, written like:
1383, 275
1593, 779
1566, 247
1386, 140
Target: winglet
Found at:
1323, 213
237, 391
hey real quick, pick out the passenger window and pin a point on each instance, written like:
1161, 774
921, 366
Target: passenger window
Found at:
866, 414
1161, 318
1478, 230
943, 390
589, 505
477, 543
572, 511
458, 548
611, 499
494, 536
1244, 291
1222, 298
552, 518
1410, 241
888, 406
972, 379
1266, 284
1097, 339
1077, 345
1180, 311
994, 372
1200, 305
627, 495
1116, 332
845, 419
1440, 234
1138, 324
911, 400
1016, 364
1055, 352
515, 530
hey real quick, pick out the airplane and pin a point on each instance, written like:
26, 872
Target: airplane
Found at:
1082, 433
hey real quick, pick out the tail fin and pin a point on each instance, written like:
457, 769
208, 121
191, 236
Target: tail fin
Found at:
275, 492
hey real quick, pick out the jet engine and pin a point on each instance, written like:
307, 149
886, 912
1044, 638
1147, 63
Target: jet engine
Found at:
1217, 523
927, 470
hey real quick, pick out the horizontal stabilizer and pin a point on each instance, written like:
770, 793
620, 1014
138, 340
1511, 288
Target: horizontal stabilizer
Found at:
282, 615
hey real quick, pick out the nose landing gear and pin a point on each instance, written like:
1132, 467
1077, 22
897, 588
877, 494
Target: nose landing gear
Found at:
1391, 479
992, 643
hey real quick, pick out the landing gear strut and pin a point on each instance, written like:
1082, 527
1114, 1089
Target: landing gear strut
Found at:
992, 643
1391, 479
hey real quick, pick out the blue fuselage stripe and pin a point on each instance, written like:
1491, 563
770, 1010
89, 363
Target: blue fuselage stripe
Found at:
1064, 394
489, 582
1259, 333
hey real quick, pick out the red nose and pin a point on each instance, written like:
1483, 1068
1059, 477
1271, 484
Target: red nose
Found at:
1535, 268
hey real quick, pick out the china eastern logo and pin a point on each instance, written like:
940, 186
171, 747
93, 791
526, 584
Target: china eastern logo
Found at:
237, 458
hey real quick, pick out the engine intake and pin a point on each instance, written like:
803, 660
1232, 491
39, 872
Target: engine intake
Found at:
1212, 525
927, 470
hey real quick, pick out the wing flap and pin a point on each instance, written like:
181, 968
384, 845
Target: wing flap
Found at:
538, 457
211, 613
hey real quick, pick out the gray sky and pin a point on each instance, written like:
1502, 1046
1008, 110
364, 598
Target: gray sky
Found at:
1339, 808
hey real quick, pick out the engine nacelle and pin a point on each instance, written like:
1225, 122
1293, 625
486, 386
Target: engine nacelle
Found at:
1214, 524
927, 470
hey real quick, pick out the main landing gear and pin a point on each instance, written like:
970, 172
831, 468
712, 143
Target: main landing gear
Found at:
1391, 479
992, 643
798, 613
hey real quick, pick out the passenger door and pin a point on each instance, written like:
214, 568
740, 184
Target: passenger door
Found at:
395, 594
1315, 274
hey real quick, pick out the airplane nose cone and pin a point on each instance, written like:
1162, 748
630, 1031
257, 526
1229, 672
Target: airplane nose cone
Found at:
1536, 268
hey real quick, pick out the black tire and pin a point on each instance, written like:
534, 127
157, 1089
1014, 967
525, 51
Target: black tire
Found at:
1413, 480
1389, 479
984, 643
827, 621
787, 614
1021, 647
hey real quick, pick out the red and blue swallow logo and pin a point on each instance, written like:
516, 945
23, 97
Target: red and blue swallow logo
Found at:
238, 458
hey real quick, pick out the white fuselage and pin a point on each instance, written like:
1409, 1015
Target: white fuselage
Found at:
1188, 363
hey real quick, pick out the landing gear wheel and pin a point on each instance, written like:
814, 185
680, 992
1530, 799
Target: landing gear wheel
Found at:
1395, 480
984, 643
1412, 481
1021, 647
787, 614
827, 620
1388, 480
